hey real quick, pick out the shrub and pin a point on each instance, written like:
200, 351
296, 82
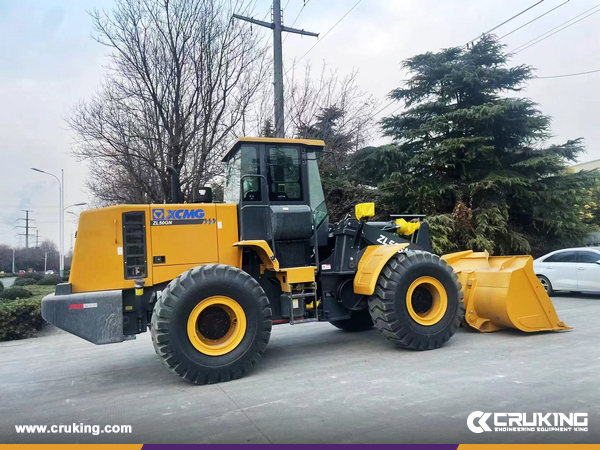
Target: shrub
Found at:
33, 275
1, 286
15, 292
24, 282
50, 280
20, 319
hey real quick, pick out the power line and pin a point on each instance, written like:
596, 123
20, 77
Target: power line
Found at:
533, 20
394, 111
267, 13
558, 31
296, 19
569, 74
531, 42
325, 35
383, 109
505, 22
277, 28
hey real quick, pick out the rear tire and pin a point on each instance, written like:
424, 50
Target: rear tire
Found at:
417, 302
358, 321
546, 284
211, 324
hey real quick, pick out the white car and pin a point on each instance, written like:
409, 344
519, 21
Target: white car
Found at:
571, 269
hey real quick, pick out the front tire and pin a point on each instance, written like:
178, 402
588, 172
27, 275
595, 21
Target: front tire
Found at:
417, 302
211, 324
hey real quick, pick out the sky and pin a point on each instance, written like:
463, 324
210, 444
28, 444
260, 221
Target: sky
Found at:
48, 63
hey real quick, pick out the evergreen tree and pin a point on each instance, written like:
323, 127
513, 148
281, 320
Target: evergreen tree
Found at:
476, 159
267, 129
339, 142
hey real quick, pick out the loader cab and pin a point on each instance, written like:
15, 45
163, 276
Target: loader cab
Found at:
276, 184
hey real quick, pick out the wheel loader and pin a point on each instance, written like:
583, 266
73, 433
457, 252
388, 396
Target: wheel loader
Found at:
209, 280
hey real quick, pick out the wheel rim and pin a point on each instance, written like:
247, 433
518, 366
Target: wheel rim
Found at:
216, 325
426, 301
544, 284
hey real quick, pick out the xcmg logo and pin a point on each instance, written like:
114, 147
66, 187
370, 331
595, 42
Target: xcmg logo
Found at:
478, 422
177, 214
180, 217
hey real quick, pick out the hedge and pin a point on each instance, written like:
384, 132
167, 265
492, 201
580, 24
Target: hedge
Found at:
50, 280
25, 281
20, 318
15, 292
36, 276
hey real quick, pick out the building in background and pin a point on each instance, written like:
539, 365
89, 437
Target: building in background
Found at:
590, 165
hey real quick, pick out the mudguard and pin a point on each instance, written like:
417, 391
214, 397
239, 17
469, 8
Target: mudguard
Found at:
370, 265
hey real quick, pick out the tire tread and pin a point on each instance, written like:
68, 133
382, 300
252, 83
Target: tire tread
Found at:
382, 304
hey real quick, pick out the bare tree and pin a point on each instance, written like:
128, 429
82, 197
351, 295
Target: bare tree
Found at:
332, 108
309, 96
180, 81
324, 106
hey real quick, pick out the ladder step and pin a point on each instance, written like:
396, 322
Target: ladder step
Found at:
304, 295
297, 322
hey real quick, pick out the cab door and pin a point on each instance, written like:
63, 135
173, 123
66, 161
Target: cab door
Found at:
588, 270
245, 185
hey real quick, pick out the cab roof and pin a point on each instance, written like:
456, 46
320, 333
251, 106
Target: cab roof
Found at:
263, 140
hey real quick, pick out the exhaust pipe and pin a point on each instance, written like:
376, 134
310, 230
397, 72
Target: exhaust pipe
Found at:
176, 195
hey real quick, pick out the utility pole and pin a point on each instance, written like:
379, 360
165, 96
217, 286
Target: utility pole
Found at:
13, 271
26, 226
277, 28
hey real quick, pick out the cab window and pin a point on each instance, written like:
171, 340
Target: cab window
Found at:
232, 179
250, 166
315, 190
244, 162
284, 174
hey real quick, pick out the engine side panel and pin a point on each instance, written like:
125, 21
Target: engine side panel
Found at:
98, 262
176, 238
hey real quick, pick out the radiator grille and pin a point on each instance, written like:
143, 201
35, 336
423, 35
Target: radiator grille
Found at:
134, 245
293, 253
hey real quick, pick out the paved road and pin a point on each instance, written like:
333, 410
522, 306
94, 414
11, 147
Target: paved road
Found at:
316, 384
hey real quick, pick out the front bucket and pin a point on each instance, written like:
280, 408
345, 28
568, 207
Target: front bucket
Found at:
503, 292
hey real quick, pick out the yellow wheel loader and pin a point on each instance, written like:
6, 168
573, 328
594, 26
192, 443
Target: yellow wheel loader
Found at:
210, 279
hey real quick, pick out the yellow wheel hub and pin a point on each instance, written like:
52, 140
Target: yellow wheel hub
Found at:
216, 325
426, 301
